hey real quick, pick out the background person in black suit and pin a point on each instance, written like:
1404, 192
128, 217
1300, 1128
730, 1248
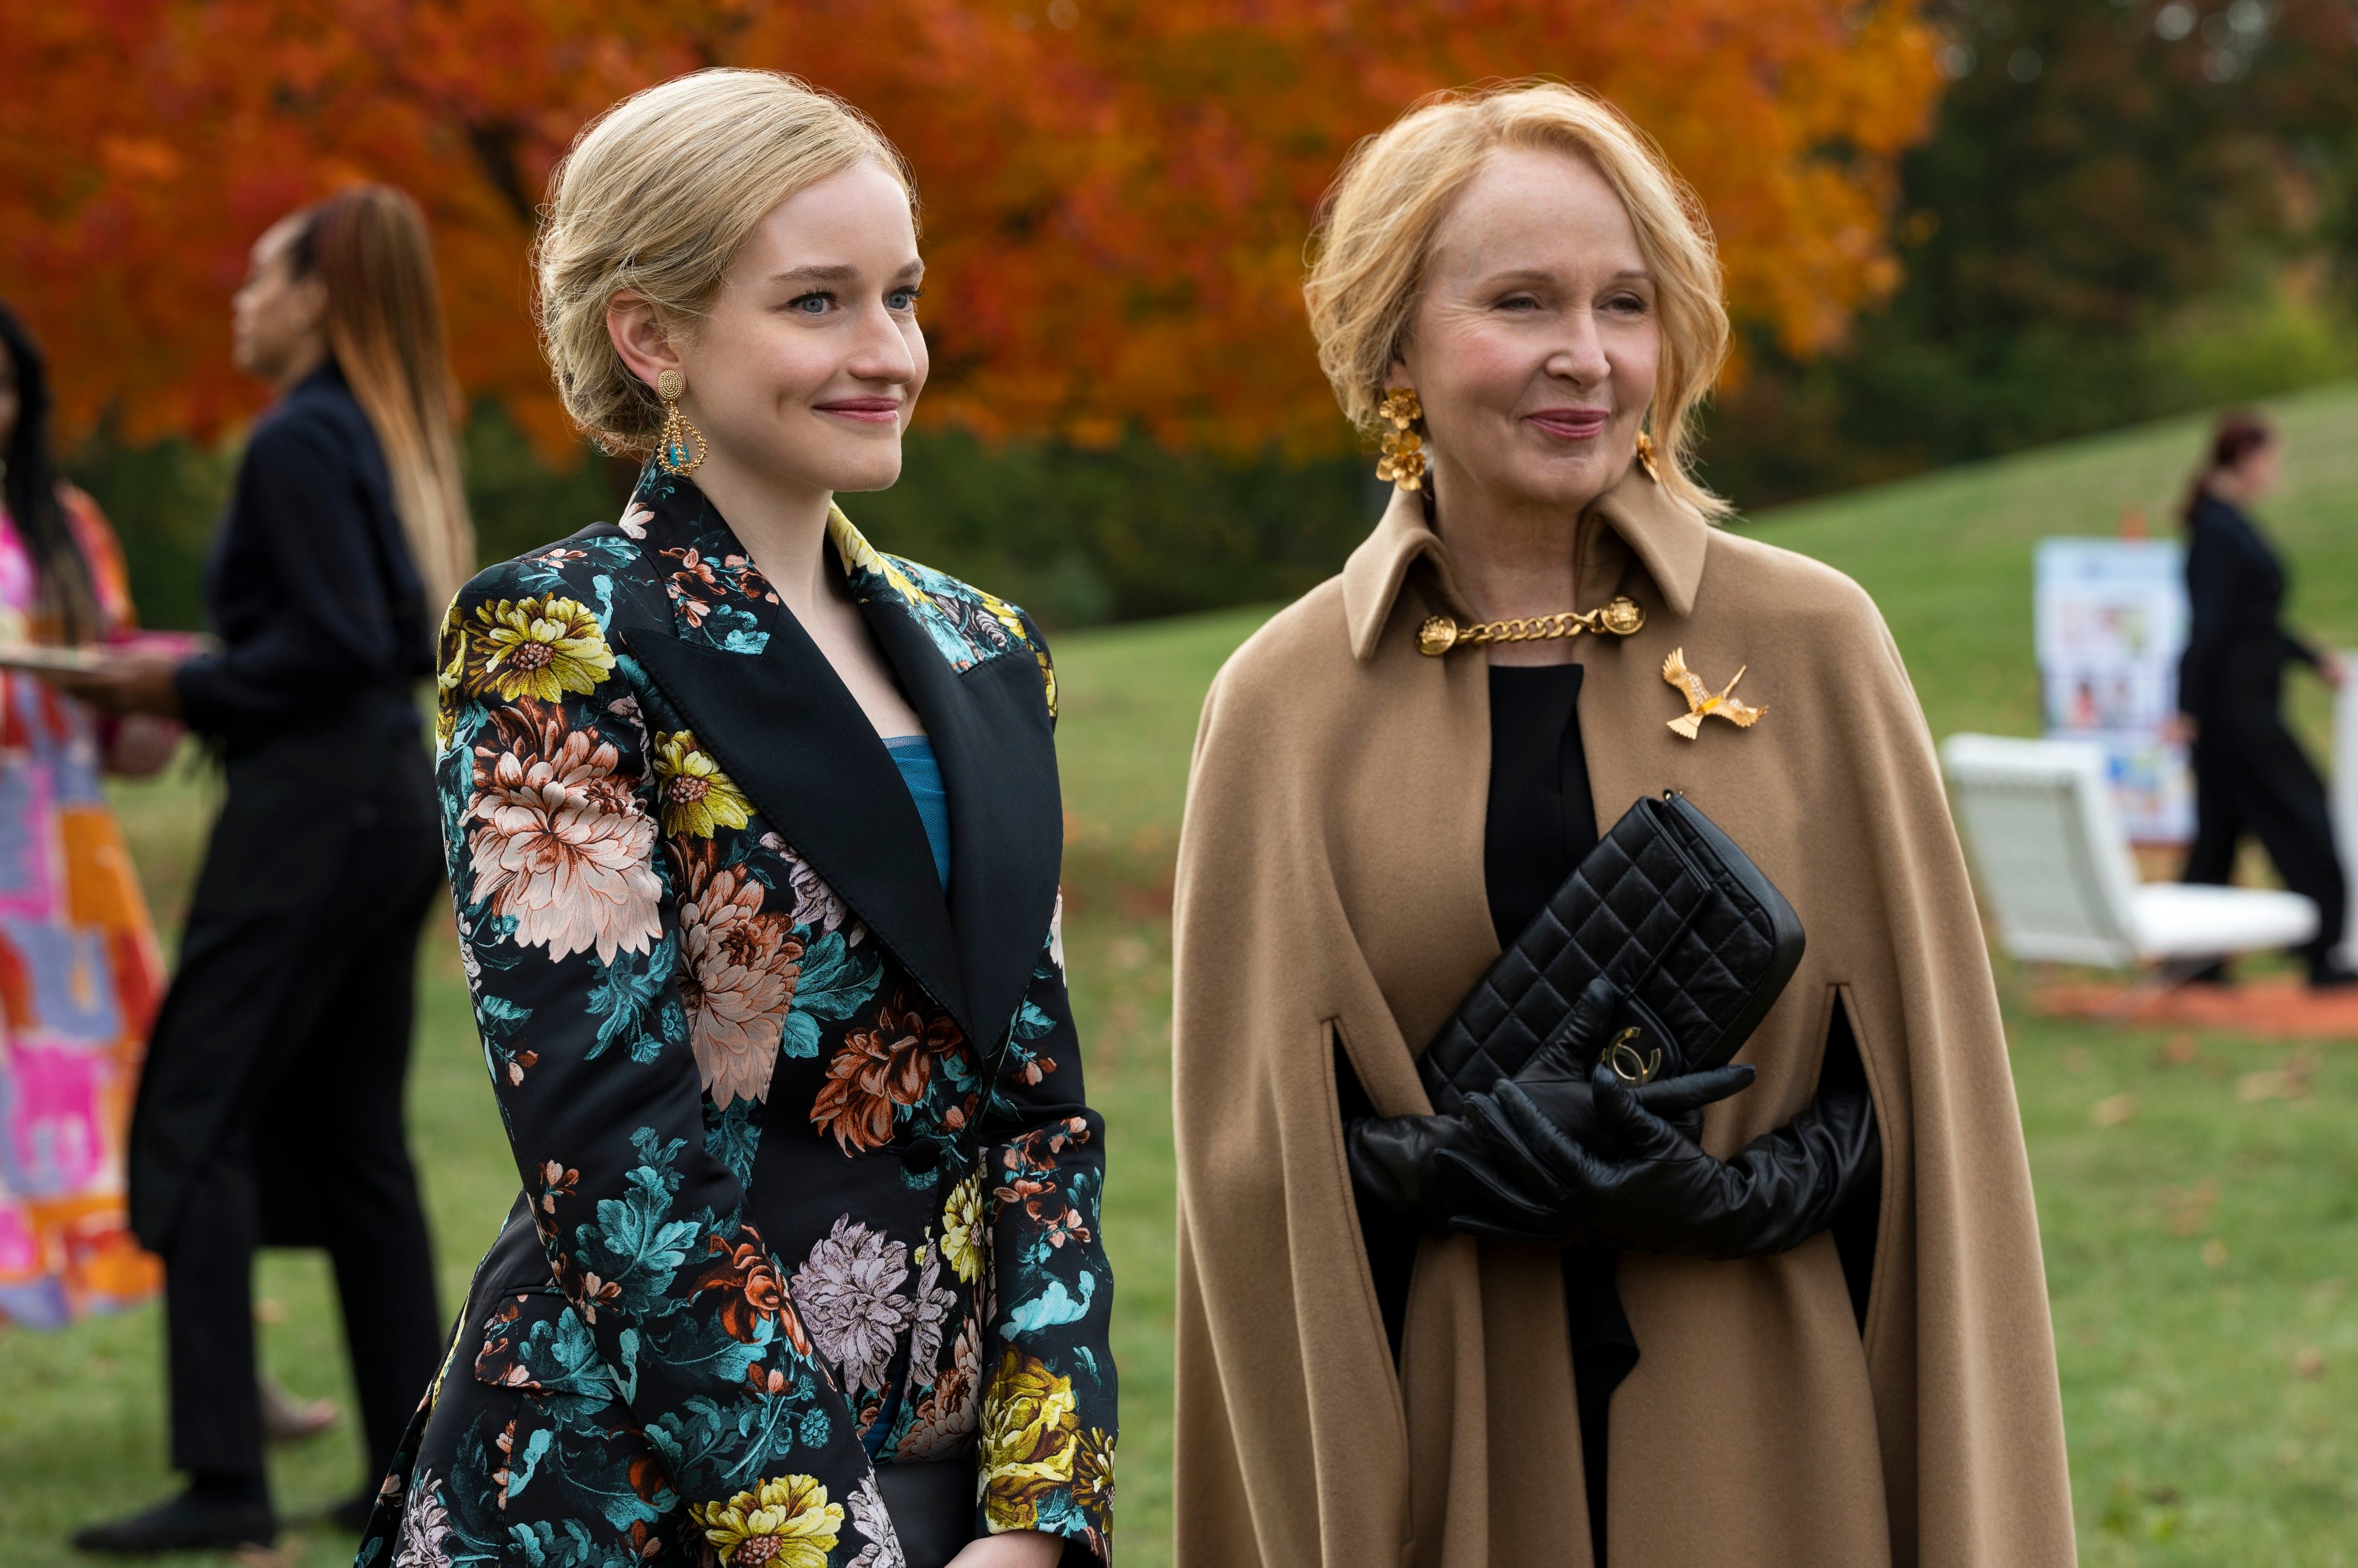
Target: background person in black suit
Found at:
270, 1113
2250, 775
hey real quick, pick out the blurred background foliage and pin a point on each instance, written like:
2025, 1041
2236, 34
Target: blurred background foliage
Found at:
2125, 209
2120, 210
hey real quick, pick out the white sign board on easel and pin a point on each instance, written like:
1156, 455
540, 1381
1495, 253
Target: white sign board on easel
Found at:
2111, 620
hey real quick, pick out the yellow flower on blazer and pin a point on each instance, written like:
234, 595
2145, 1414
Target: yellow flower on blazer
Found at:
962, 1229
698, 798
788, 1523
535, 647
1029, 1433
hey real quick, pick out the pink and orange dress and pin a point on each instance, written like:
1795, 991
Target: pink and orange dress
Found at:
80, 976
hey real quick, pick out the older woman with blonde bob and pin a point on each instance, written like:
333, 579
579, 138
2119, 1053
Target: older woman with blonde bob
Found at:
1808, 1326
753, 837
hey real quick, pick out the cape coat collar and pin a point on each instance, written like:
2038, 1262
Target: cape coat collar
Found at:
765, 700
1637, 517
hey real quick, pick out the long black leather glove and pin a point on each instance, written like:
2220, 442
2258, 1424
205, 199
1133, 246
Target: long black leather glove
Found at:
1653, 1189
1398, 1162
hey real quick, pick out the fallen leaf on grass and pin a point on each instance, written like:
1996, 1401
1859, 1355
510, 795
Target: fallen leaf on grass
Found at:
2214, 1252
2288, 1081
2178, 1049
2308, 1362
2190, 1211
2112, 1109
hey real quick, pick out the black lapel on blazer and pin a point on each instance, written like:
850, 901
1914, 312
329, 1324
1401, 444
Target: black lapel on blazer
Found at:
988, 725
783, 727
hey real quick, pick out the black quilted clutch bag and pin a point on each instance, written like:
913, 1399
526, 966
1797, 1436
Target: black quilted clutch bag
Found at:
1698, 940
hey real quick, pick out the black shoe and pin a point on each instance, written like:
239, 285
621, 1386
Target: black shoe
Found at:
2332, 976
352, 1515
193, 1522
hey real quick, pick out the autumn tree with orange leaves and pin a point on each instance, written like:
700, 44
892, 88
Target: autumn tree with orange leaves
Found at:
1116, 194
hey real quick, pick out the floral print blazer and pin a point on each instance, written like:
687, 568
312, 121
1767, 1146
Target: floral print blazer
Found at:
809, 1181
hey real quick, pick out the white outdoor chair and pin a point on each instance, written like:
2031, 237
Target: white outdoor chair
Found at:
2055, 868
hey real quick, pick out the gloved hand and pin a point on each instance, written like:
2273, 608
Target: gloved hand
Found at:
1556, 1077
1651, 1188
1398, 1162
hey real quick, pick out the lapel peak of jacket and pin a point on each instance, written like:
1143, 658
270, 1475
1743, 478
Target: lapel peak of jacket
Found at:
718, 594
1668, 538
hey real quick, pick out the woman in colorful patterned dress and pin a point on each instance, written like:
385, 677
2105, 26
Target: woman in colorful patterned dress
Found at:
754, 836
79, 967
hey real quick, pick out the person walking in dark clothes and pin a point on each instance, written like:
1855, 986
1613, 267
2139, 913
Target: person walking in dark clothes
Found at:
2250, 775
270, 1113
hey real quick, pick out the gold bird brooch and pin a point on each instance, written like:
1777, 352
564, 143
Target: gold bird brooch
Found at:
1701, 701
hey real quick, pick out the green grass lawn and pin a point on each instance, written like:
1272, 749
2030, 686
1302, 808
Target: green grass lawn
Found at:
2202, 1230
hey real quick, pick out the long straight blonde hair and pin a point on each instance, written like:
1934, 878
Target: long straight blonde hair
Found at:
369, 245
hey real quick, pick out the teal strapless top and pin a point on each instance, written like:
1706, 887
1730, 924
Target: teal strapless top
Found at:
913, 755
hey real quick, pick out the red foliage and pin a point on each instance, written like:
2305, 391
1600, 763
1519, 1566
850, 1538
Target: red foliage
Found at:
1116, 193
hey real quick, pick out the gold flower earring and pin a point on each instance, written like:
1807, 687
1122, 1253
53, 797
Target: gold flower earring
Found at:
672, 453
1645, 457
1403, 460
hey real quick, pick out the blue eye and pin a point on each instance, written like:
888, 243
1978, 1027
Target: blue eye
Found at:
903, 299
811, 304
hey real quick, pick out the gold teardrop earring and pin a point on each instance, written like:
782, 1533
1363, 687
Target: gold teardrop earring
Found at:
1645, 457
679, 449
1403, 460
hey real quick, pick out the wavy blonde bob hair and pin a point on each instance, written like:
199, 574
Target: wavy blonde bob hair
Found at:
1376, 223
654, 199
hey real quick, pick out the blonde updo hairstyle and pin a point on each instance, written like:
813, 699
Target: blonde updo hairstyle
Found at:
655, 198
1377, 226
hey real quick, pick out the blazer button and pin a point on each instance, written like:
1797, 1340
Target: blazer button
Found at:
922, 1157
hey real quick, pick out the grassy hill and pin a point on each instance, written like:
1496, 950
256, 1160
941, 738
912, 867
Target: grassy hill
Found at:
2202, 1234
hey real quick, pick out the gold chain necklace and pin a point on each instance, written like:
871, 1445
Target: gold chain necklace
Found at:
1440, 633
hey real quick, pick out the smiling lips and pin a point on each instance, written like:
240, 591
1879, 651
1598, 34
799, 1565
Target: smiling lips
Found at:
1570, 424
865, 410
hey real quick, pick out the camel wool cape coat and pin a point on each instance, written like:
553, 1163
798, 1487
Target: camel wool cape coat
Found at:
1330, 896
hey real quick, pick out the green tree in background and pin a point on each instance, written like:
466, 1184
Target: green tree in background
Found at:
2125, 210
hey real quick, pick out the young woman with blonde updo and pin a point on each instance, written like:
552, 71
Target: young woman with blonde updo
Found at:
753, 833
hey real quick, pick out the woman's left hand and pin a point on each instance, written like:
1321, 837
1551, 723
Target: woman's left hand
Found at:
2332, 666
1656, 1192
1016, 1549
124, 683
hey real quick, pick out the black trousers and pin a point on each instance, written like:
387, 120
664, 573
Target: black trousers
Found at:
317, 1135
2251, 776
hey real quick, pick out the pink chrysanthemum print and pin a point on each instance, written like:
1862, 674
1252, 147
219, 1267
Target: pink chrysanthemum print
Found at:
560, 844
738, 980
